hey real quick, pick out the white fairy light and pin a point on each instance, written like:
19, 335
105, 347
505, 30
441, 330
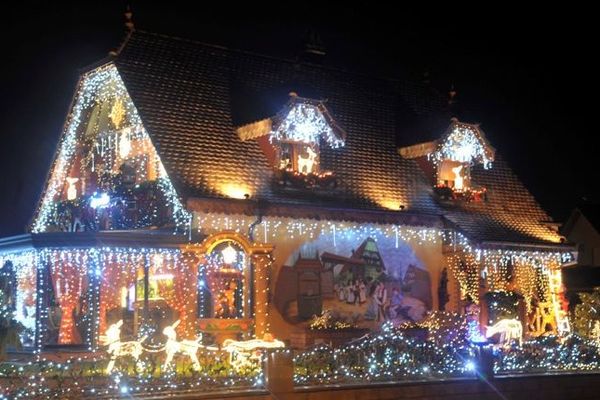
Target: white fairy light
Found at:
305, 123
101, 85
463, 145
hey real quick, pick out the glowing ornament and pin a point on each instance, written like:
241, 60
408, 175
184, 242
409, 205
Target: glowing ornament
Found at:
229, 254
185, 347
72, 189
124, 144
118, 349
117, 113
509, 329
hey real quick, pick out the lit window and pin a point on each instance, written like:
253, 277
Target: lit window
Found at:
463, 146
223, 291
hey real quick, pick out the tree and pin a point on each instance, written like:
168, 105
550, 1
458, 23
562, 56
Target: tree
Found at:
587, 312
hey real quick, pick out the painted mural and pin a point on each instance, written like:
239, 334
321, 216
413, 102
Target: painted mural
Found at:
363, 282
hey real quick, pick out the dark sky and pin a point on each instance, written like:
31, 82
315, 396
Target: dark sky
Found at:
528, 76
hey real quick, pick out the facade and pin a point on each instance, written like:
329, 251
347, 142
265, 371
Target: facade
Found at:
583, 228
242, 195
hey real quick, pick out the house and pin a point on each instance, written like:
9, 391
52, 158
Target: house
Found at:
190, 176
582, 227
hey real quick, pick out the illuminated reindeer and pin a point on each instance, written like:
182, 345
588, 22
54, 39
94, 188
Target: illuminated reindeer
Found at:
458, 179
186, 347
248, 353
308, 162
508, 329
118, 349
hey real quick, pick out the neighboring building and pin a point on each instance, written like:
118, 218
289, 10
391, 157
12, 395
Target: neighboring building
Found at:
583, 228
241, 193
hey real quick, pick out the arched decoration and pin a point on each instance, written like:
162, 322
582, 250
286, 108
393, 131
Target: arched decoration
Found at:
214, 240
232, 285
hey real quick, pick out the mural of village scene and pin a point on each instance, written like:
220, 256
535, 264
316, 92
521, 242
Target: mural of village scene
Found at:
363, 282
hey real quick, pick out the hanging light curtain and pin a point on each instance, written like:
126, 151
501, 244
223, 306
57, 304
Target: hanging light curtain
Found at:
69, 284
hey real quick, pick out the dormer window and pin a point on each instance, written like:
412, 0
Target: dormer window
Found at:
463, 146
452, 157
296, 136
298, 132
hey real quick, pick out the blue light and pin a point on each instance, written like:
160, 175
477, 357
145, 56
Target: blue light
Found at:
470, 366
99, 201
124, 389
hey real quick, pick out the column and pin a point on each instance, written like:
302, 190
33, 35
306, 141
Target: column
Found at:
261, 263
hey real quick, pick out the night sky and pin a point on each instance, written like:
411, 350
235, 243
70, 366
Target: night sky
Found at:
528, 77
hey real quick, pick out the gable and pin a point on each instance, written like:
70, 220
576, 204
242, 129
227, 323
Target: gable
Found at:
107, 173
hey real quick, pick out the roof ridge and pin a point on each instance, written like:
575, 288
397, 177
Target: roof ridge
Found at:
282, 59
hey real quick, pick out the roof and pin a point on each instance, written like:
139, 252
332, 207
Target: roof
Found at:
592, 213
192, 96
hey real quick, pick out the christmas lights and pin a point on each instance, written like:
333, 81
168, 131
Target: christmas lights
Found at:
463, 144
119, 158
509, 329
188, 348
305, 123
117, 348
387, 356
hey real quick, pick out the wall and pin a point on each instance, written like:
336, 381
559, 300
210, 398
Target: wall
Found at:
305, 238
583, 233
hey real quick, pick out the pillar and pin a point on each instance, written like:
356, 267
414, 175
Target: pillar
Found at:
279, 374
261, 263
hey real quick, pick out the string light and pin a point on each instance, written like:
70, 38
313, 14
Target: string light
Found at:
463, 144
305, 123
509, 329
104, 154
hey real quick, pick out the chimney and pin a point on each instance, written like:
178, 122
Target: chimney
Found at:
313, 47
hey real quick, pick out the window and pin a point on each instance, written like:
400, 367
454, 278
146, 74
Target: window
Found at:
223, 283
299, 157
455, 175
463, 146
298, 134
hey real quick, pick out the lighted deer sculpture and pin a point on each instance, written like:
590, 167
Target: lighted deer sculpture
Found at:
459, 181
246, 353
186, 347
509, 329
307, 162
117, 348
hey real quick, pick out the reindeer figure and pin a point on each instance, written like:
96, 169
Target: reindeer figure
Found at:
118, 349
458, 179
308, 162
508, 329
248, 353
186, 347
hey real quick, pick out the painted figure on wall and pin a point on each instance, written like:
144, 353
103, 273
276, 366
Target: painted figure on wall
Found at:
367, 281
